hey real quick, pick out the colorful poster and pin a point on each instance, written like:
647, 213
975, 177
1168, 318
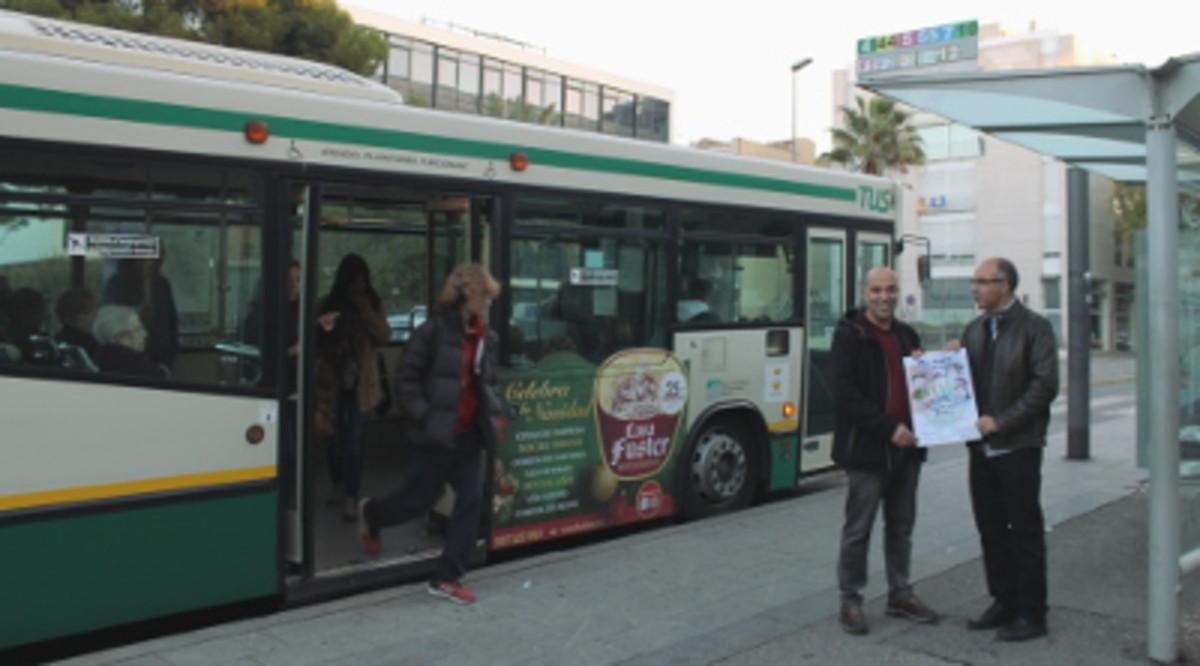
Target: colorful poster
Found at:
587, 447
942, 398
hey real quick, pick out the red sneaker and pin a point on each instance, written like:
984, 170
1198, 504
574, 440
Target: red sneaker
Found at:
371, 544
452, 591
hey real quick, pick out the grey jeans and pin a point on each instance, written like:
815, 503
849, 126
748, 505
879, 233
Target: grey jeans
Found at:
897, 489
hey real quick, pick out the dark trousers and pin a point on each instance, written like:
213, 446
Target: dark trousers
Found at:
427, 473
348, 449
1005, 494
897, 490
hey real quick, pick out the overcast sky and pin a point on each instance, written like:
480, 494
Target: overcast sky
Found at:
728, 63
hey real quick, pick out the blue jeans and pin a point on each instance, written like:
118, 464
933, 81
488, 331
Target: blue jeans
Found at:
427, 473
348, 448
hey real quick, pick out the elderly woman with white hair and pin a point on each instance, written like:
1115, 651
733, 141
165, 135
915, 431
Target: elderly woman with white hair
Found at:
122, 339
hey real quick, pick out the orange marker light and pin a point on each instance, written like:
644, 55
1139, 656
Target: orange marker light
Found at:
789, 410
257, 131
518, 161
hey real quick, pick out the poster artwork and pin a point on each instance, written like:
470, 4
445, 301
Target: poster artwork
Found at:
942, 398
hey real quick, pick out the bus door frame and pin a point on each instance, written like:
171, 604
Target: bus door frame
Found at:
813, 442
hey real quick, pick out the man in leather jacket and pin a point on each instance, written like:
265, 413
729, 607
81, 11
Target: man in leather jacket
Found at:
874, 443
1014, 363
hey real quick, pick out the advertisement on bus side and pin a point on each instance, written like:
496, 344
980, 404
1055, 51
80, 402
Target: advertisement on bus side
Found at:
587, 447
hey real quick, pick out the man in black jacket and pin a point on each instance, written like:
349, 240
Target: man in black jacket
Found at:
1014, 363
874, 443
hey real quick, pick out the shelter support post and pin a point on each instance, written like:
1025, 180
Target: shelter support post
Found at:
1079, 329
1161, 343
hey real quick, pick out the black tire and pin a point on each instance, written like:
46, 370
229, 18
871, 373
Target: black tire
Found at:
720, 470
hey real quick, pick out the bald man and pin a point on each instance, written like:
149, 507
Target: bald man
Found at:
873, 441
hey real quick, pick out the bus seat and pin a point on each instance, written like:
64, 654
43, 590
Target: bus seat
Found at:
9, 354
75, 358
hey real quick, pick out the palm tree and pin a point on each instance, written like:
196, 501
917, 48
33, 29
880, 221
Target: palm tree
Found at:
877, 138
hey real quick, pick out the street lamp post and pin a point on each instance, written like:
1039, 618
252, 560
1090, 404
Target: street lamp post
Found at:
797, 66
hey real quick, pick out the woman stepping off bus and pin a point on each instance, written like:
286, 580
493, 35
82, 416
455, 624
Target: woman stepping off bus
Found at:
446, 388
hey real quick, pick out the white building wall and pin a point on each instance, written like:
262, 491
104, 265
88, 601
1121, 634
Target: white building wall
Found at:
1006, 202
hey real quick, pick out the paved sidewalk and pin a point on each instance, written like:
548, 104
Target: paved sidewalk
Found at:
749, 588
1097, 575
1107, 368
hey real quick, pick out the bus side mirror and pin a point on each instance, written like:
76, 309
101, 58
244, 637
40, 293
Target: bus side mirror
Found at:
924, 272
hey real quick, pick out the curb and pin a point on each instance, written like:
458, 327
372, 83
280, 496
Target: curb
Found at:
1103, 382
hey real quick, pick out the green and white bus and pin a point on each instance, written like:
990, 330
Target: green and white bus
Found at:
665, 324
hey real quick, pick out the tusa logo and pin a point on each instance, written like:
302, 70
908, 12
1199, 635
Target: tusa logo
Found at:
878, 199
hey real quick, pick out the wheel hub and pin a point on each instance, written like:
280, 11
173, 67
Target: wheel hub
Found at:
719, 466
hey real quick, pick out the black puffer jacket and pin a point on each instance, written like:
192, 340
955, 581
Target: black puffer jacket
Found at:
1024, 375
429, 381
863, 429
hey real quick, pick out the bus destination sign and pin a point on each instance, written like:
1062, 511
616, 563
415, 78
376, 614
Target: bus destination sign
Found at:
113, 246
594, 277
953, 46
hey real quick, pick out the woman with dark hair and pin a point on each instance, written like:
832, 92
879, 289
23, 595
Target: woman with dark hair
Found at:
351, 328
446, 386
76, 310
140, 284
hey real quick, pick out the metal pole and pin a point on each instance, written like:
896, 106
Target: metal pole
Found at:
797, 66
1162, 346
1079, 334
793, 114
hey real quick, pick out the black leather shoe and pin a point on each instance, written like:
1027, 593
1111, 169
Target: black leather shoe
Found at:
1021, 629
997, 615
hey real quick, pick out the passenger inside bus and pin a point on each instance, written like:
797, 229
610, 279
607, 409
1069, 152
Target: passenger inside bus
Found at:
140, 284
251, 328
76, 311
351, 328
122, 341
5, 303
694, 307
27, 314
568, 313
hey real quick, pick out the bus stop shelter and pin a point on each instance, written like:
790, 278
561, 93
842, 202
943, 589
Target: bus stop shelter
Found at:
1132, 124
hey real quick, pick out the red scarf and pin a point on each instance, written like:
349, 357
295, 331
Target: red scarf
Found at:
468, 389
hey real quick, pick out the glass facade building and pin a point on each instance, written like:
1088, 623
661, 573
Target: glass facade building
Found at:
455, 79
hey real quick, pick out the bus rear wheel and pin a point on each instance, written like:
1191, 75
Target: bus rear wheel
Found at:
719, 470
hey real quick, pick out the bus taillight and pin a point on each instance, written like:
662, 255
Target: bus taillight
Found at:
789, 410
